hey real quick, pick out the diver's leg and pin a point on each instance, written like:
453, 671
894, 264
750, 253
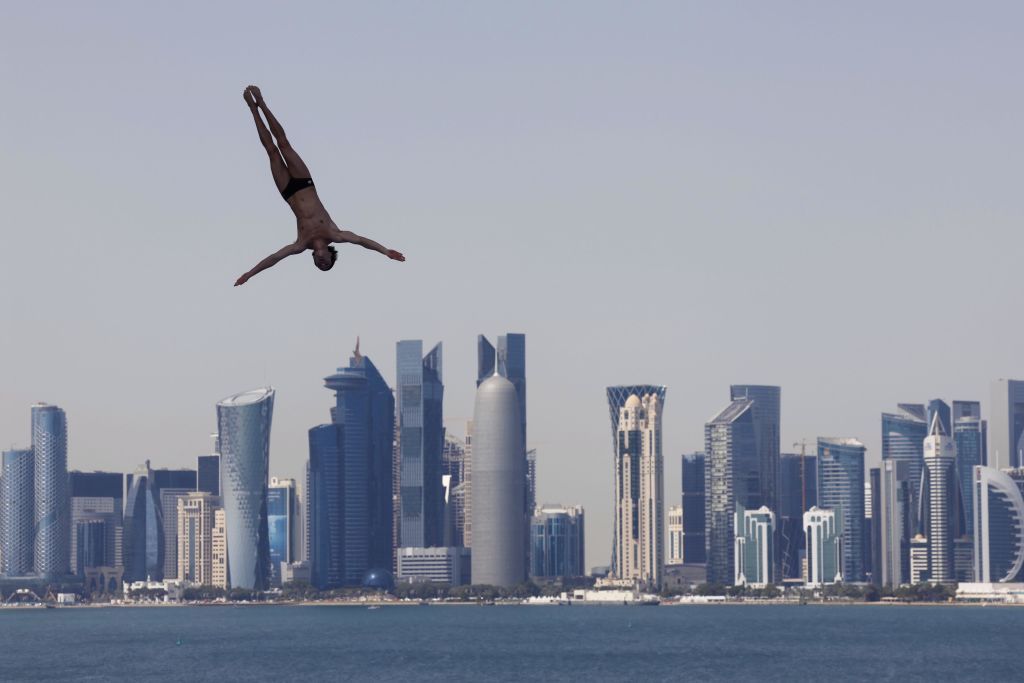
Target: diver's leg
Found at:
296, 166
278, 167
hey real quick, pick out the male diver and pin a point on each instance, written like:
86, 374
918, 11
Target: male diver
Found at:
316, 229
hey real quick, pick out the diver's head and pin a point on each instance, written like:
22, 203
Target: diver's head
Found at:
324, 255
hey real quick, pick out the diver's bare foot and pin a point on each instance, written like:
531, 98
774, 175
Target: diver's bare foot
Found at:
256, 93
395, 255
249, 99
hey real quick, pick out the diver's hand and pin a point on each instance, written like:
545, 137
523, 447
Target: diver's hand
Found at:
395, 255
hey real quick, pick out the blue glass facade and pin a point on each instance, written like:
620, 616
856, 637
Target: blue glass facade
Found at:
556, 542
91, 542
143, 529
841, 488
903, 435
243, 423
694, 518
420, 443
970, 435
208, 474
17, 512
281, 514
52, 500
324, 506
798, 492
767, 407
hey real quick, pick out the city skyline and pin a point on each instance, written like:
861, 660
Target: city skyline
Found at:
707, 151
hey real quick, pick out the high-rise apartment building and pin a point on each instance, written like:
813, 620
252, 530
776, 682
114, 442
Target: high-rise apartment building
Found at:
940, 490
998, 525
557, 542
766, 409
693, 540
169, 497
970, 434
196, 516
1007, 423
243, 423
755, 547
675, 534
824, 543
98, 496
220, 549
894, 524
282, 523
639, 552
51, 554
17, 512
841, 488
903, 435
732, 477
499, 484
420, 395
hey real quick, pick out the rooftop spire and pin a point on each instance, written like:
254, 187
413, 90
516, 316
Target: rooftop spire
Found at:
358, 356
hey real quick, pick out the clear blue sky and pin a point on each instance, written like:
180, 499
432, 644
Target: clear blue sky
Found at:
821, 196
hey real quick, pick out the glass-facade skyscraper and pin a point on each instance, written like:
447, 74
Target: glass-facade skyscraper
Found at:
282, 516
970, 434
97, 496
731, 477
557, 542
325, 494
143, 528
903, 435
798, 493
766, 408
1007, 424
841, 488
998, 525
693, 548
420, 442
52, 500
243, 422
208, 474
17, 512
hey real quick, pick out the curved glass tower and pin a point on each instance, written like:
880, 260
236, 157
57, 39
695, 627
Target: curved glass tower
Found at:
243, 422
17, 513
499, 485
143, 529
998, 525
52, 497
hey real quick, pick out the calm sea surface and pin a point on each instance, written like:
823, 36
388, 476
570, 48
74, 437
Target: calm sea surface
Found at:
452, 643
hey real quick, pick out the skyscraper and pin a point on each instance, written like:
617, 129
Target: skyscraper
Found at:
98, 496
841, 488
420, 442
531, 480
365, 408
1007, 422
824, 543
767, 402
282, 523
169, 497
970, 434
52, 499
755, 547
243, 422
143, 528
998, 525
557, 542
798, 492
499, 483
324, 506
732, 477
208, 474
894, 525
17, 512
675, 534
196, 515
903, 435
639, 552
694, 518
940, 489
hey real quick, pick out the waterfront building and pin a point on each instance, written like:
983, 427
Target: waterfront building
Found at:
51, 554
17, 512
755, 547
196, 514
798, 492
970, 434
732, 477
903, 435
919, 560
91, 544
841, 488
873, 523
420, 396
448, 565
243, 423
365, 409
824, 543
325, 494
693, 540
219, 571
940, 491
282, 524
639, 553
766, 410
98, 496
143, 529
531, 479
453, 473
1007, 422
557, 542
169, 498
895, 517
208, 474
296, 572
998, 525
675, 534
499, 483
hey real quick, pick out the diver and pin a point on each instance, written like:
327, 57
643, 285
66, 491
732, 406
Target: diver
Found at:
316, 229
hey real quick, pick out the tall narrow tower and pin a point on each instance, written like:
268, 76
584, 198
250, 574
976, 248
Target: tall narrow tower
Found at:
940, 489
52, 495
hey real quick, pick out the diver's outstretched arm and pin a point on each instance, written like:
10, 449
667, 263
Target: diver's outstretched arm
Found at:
342, 236
284, 252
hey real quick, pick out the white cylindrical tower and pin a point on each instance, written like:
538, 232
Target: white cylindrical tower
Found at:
499, 486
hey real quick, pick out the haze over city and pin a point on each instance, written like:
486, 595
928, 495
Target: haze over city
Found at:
822, 198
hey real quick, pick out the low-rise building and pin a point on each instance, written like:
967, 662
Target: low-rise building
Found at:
448, 565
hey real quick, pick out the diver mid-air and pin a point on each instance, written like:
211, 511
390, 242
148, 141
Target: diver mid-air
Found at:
316, 229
